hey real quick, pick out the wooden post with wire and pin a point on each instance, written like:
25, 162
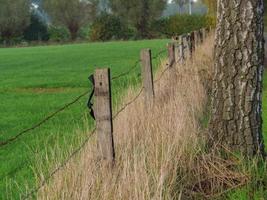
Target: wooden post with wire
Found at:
176, 51
192, 44
147, 75
204, 35
171, 54
181, 50
201, 38
103, 115
196, 39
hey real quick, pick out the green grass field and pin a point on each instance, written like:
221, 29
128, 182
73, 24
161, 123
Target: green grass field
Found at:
36, 81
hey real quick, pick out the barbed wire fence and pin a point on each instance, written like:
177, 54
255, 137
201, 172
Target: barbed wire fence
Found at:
78, 150
90, 105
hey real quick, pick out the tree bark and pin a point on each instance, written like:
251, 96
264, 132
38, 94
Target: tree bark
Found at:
236, 121
73, 29
142, 25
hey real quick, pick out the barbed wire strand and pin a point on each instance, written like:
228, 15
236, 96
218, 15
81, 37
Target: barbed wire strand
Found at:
12, 139
136, 64
127, 72
128, 103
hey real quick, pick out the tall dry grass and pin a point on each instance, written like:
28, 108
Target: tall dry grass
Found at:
160, 151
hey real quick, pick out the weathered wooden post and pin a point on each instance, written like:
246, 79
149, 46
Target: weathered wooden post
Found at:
210, 29
171, 54
147, 75
181, 50
176, 51
103, 115
188, 38
192, 44
200, 34
204, 34
189, 42
195, 38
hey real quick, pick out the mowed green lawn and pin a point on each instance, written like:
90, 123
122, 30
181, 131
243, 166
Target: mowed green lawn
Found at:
36, 81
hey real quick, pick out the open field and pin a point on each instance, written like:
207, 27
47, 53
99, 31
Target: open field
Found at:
36, 81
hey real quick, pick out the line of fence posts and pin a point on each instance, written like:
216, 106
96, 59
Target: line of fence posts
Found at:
103, 99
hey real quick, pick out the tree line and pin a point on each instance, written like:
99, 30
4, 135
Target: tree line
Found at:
103, 19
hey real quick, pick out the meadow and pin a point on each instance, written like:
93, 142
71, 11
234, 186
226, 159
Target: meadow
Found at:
36, 81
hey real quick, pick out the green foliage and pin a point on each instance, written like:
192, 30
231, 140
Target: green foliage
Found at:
256, 188
84, 33
58, 34
71, 14
139, 13
211, 21
212, 7
14, 18
107, 27
180, 24
37, 30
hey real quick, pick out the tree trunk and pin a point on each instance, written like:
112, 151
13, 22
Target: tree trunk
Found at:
73, 29
236, 121
142, 25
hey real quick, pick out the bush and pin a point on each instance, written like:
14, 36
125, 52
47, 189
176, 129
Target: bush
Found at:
58, 34
180, 24
109, 27
84, 33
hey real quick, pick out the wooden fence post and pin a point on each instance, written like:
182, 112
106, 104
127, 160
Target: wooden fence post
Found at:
192, 44
210, 29
103, 114
204, 34
176, 51
200, 34
171, 54
195, 38
147, 75
181, 49
188, 38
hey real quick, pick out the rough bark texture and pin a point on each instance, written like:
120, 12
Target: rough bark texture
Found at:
236, 120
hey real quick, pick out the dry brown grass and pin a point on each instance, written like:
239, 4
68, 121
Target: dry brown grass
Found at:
159, 152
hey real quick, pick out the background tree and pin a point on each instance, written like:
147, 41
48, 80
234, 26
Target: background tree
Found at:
37, 30
236, 120
212, 6
138, 13
72, 14
14, 18
180, 3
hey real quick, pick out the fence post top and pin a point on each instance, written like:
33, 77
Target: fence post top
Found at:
170, 44
146, 50
102, 69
